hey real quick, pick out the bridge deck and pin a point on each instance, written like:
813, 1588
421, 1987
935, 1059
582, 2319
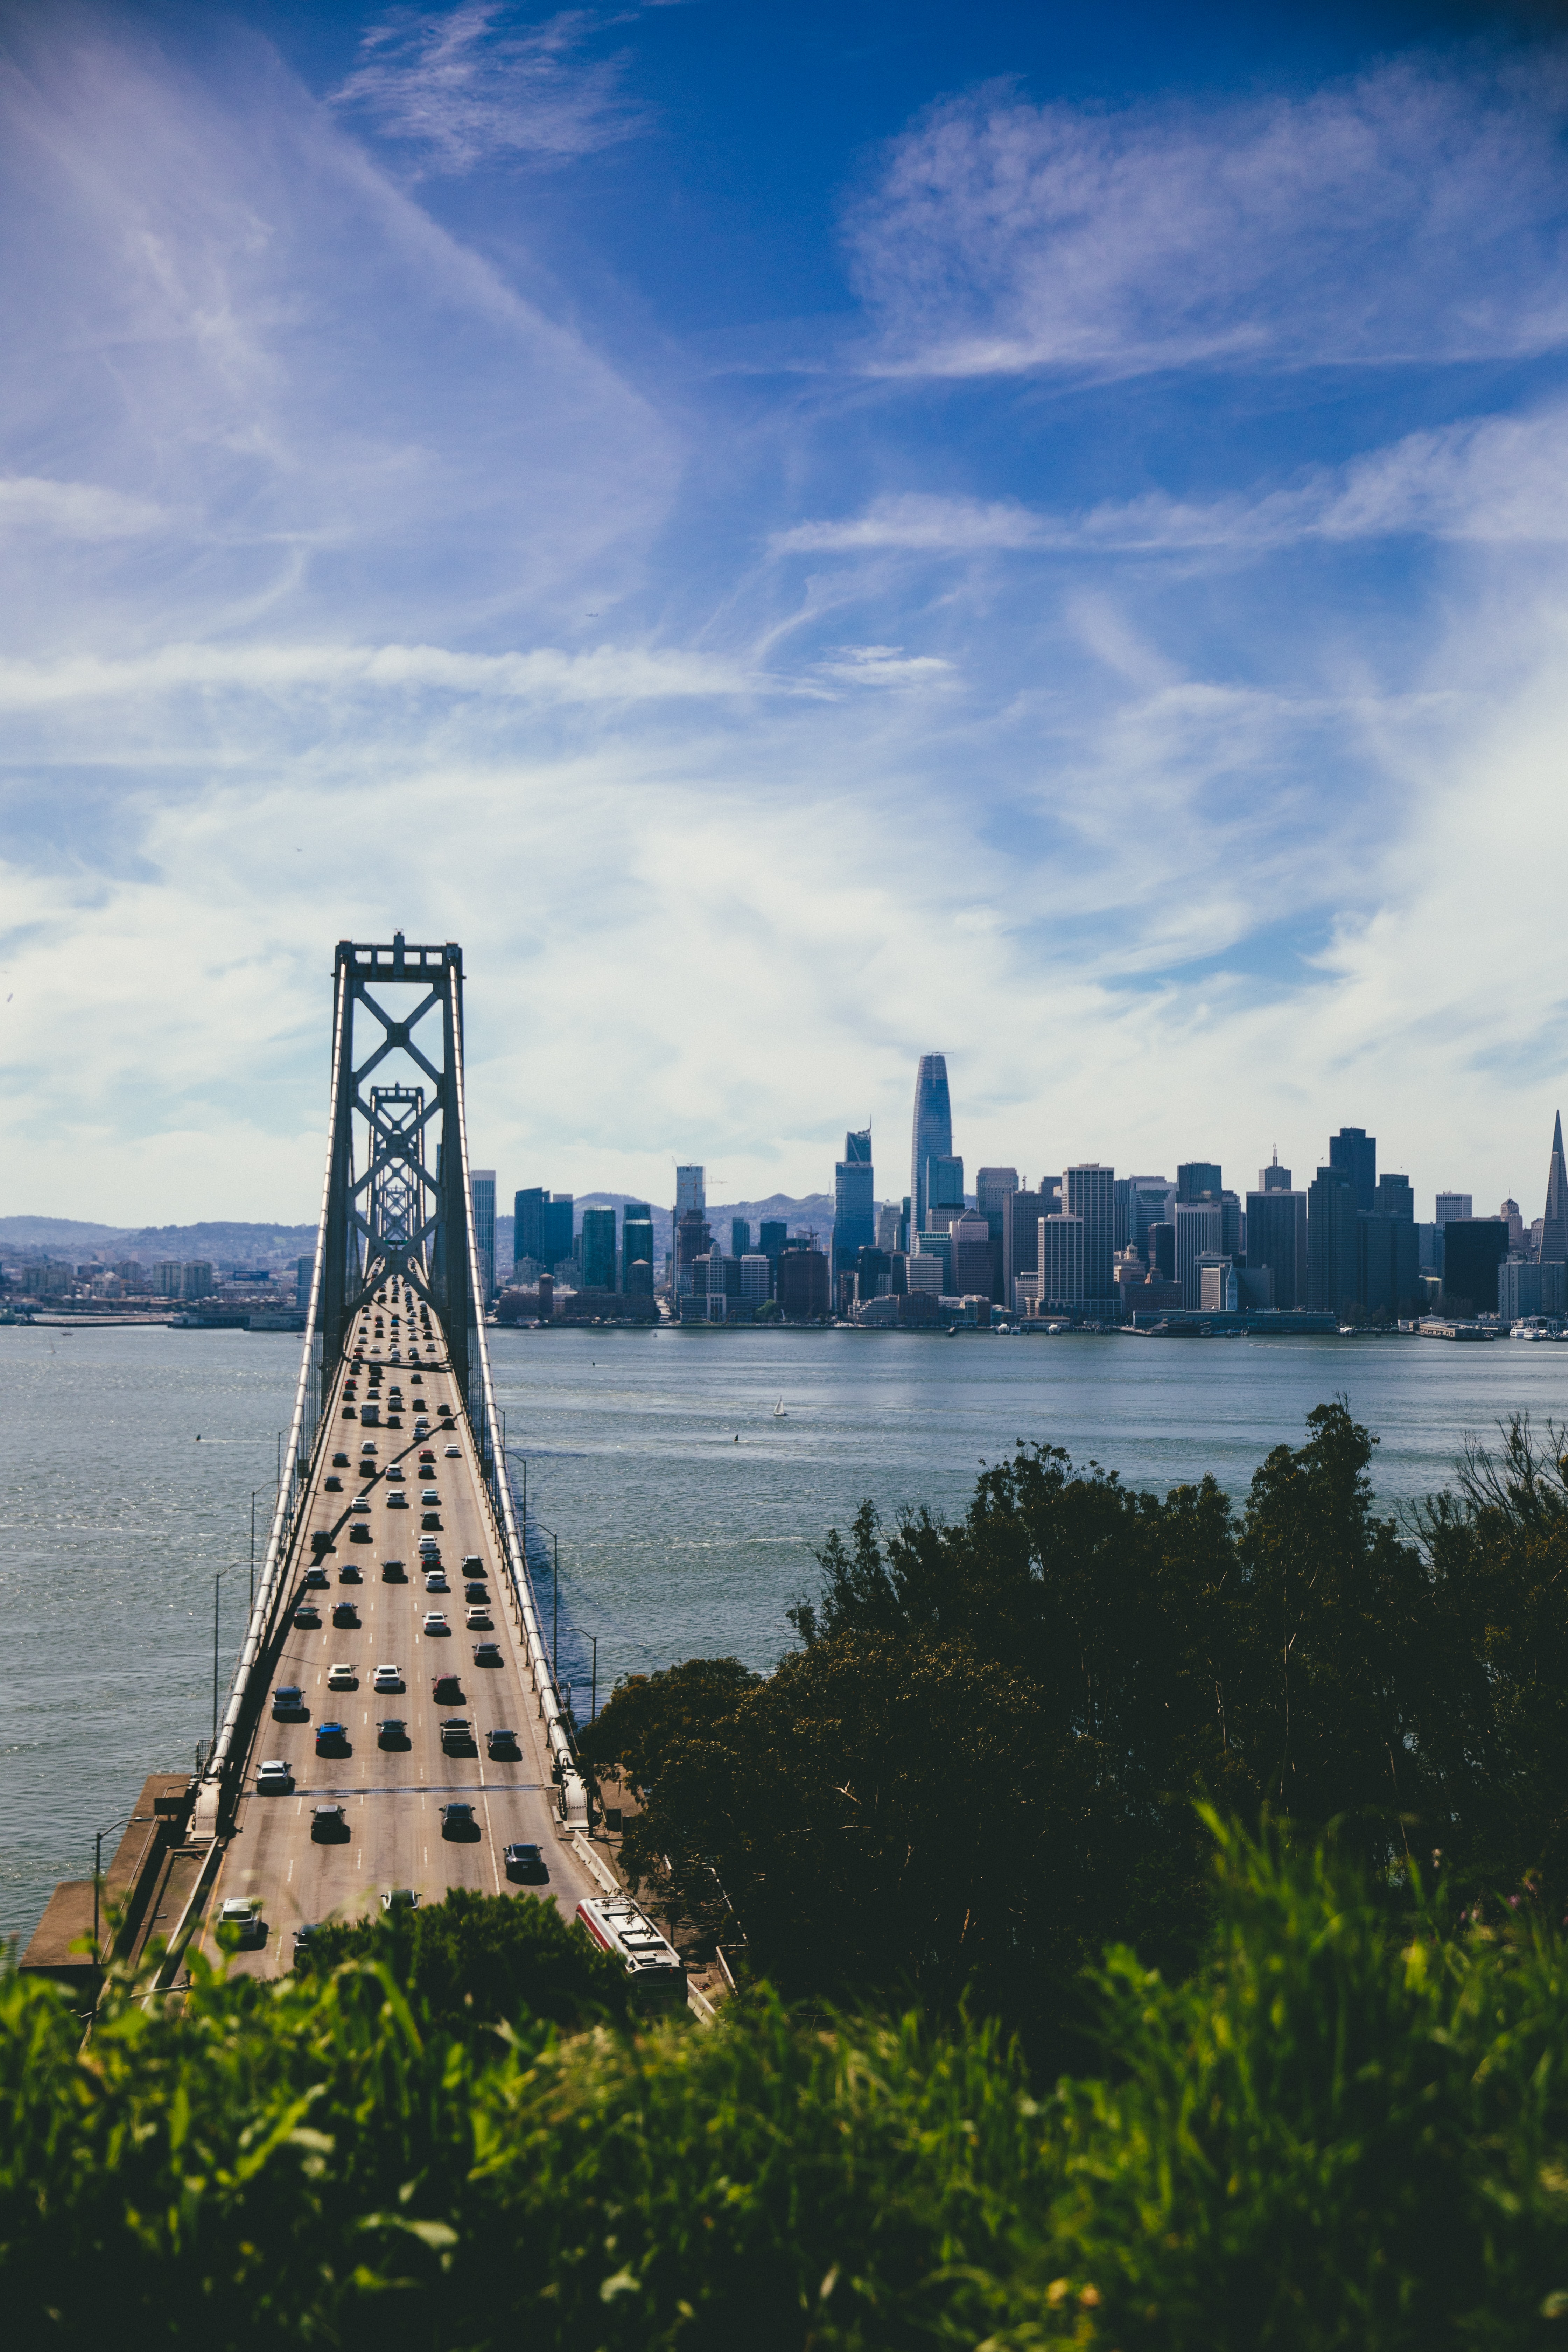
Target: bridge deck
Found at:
392, 1797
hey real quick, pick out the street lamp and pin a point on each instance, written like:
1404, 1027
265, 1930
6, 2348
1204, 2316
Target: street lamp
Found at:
218, 1580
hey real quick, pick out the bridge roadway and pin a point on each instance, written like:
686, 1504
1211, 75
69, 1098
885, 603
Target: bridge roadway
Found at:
391, 1797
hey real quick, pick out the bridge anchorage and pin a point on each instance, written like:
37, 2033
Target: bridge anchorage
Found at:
378, 1739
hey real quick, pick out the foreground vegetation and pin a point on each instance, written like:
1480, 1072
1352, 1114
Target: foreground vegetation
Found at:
981, 1768
1344, 2128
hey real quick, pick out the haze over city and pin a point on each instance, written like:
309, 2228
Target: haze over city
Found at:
817, 539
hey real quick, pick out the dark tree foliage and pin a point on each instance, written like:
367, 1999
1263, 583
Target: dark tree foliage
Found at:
981, 1766
473, 1959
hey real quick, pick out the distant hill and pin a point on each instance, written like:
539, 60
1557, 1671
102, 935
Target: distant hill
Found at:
227, 1242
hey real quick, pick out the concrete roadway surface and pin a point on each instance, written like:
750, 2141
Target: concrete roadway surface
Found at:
392, 1832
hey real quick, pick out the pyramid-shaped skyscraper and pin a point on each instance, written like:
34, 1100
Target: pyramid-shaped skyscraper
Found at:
1554, 1228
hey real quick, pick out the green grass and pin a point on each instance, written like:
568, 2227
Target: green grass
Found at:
1345, 2130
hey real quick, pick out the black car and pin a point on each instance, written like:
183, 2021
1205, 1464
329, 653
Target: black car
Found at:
527, 1864
350, 1574
315, 1574
446, 1690
345, 1613
307, 1613
305, 1934
502, 1744
339, 1460
392, 1732
458, 1821
288, 1700
393, 1573
458, 1735
479, 1594
487, 1653
328, 1823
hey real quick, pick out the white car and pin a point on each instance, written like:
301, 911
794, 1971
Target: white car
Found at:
396, 1502
436, 1621
341, 1679
240, 1912
437, 1581
395, 1470
430, 1497
479, 1621
274, 1775
454, 1452
386, 1678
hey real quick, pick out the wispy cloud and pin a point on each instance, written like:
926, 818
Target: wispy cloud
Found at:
470, 83
1417, 213
33, 506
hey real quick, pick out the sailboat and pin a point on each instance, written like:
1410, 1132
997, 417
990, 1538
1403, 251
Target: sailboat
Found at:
779, 1413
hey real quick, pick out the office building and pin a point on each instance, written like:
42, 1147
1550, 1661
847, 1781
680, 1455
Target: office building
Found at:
196, 1279
1163, 1248
1089, 1194
558, 1231
1277, 1239
165, 1277
1553, 1249
1273, 1179
739, 1237
304, 1269
690, 1193
938, 1246
1333, 1275
598, 1249
1061, 1251
854, 1206
944, 1185
889, 1228
1451, 1205
1200, 1233
1353, 1154
528, 1208
1218, 1290
971, 1238
1396, 1197
1197, 1180
994, 1187
693, 1241
1510, 1214
1233, 1225
924, 1275
1151, 1200
756, 1280
482, 1208
1021, 1214
803, 1284
873, 1274
636, 1248
1524, 1289
1473, 1249
772, 1235
932, 1132
1388, 1264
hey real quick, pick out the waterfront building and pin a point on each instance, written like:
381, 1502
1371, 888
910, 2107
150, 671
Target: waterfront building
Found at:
528, 1209
1021, 1214
1333, 1272
636, 1242
873, 1274
803, 1283
1089, 1194
1273, 1179
304, 1269
1200, 1233
196, 1279
1553, 1249
994, 1188
598, 1249
933, 1130
1061, 1251
1277, 1239
482, 1208
925, 1275
1388, 1264
756, 1280
938, 1246
1219, 1293
1197, 1180
693, 1240
558, 1230
1451, 1206
971, 1238
854, 1202
690, 1192
1525, 1290
1353, 1154
1473, 1249
165, 1277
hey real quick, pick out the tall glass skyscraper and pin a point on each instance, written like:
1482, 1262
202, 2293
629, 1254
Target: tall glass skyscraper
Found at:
933, 1131
854, 1210
482, 1202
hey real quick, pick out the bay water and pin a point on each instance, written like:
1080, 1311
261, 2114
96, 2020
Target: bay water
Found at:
683, 1478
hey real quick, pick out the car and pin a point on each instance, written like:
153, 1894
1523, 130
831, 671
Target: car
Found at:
305, 1934
339, 1460
427, 1454
328, 1822
307, 1613
430, 1495
243, 1916
478, 1620
345, 1613
316, 1575
329, 1737
386, 1678
446, 1689
454, 1451
436, 1621
393, 1573
349, 1573
458, 1735
392, 1732
472, 1564
431, 1519
479, 1593
367, 1447
334, 1486
501, 1742
526, 1862
288, 1699
274, 1777
400, 1898
457, 1820
396, 1500
487, 1653
394, 1471
436, 1582
358, 1508
342, 1678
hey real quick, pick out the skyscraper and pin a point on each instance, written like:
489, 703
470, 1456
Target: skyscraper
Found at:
528, 1209
636, 1247
1061, 1255
1197, 1180
1274, 1178
690, 1192
558, 1230
854, 1207
1353, 1154
1200, 1233
598, 1249
1089, 1190
1021, 1214
739, 1236
1554, 1226
1277, 1238
932, 1132
1332, 1271
482, 1206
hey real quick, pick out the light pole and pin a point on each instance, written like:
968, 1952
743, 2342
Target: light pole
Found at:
254, 1492
594, 1687
555, 1602
218, 1580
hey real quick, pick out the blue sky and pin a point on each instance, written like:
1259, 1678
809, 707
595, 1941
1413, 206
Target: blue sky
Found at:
800, 537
